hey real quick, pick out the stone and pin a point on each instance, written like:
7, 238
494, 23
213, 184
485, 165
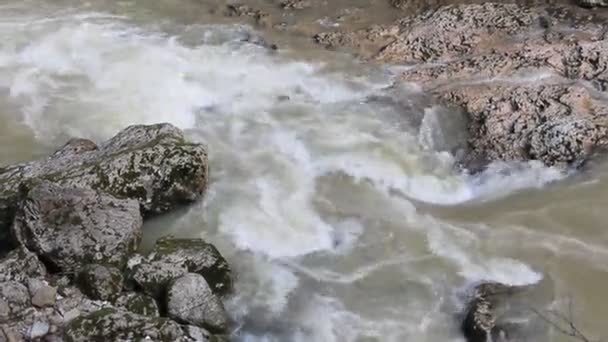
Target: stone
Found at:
44, 296
171, 258
19, 265
190, 300
152, 164
14, 295
38, 329
112, 324
100, 282
554, 123
501, 312
72, 227
138, 303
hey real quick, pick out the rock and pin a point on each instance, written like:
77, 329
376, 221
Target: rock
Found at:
171, 258
502, 313
296, 4
15, 297
38, 330
111, 324
456, 30
19, 265
138, 303
154, 165
557, 124
190, 300
72, 227
44, 296
100, 282
154, 277
592, 3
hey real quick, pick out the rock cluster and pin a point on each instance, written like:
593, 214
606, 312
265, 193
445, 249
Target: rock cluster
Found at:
75, 221
532, 79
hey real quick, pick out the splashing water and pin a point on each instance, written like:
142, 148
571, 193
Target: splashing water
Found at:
313, 187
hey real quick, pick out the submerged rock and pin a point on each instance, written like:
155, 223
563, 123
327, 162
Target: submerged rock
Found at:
154, 165
190, 300
100, 282
72, 227
505, 313
172, 258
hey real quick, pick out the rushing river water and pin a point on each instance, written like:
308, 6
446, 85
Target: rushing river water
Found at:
328, 194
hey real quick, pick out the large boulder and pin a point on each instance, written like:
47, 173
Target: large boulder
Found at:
154, 165
171, 258
71, 227
112, 324
190, 300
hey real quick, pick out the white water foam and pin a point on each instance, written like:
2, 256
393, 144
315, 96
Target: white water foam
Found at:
274, 128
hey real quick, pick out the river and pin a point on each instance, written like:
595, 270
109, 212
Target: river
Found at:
329, 195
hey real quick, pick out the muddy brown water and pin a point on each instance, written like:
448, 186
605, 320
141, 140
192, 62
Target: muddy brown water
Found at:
341, 222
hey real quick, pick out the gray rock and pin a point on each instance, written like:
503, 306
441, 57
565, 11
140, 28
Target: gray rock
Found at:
197, 256
138, 303
38, 330
100, 282
555, 123
15, 296
111, 324
72, 227
592, 3
44, 296
19, 265
172, 258
190, 300
153, 164
154, 277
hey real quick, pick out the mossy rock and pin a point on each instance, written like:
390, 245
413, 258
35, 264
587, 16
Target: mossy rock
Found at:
100, 282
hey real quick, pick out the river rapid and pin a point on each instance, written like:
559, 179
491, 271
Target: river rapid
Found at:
333, 195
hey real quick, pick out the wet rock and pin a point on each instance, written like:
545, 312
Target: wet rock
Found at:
138, 303
100, 282
72, 227
111, 324
557, 124
500, 312
172, 258
154, 165
296, 4
19, 265
260, 17
592, 3
190, 300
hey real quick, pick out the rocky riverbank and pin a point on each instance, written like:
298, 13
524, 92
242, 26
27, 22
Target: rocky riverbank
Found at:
74, 221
